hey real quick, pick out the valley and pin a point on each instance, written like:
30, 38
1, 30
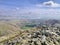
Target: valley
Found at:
29, 32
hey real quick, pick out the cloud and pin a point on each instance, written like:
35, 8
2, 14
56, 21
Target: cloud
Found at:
49, 4
32, 11
35, 13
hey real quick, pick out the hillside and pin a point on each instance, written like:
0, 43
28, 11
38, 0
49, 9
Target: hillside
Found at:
7, 30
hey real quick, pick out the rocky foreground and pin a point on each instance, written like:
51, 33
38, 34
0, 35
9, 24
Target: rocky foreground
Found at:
36, 37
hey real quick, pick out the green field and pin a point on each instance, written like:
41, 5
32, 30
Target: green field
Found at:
28, 26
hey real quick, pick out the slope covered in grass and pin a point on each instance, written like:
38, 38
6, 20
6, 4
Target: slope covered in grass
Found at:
7, 30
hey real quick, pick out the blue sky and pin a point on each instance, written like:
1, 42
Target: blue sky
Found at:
20, 3
35, 9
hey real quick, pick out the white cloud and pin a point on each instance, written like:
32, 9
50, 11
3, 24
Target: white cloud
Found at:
49, 4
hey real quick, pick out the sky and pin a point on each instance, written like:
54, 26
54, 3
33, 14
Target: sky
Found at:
30, 9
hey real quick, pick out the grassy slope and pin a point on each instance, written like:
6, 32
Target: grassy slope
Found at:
7, 30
